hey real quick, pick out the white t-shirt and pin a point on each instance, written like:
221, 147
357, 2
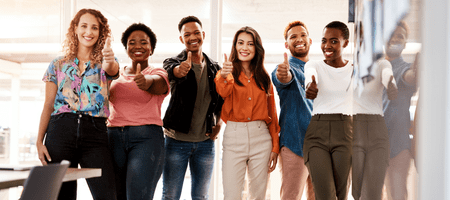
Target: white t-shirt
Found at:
370, 100
335, 87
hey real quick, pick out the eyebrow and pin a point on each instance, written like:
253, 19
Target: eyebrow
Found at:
139, 40
330, 38
195, 31
84, 23
244, 41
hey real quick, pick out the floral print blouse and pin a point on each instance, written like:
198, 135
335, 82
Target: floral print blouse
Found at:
85, 93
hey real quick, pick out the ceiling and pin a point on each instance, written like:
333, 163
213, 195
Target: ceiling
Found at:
31, 30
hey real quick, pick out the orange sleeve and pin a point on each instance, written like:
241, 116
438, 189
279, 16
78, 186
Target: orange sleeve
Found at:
224, 86
274, 127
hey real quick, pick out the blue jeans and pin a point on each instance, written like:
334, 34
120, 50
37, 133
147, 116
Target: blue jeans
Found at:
199, 155
82, 139
138, 153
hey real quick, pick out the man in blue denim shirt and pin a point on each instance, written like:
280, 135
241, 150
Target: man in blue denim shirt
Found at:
397, 115
295, 112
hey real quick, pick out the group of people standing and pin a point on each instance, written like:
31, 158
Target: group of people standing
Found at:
98, 115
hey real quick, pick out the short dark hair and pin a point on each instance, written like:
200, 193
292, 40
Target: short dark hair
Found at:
139, 27
188, 19
340, 26
292, 25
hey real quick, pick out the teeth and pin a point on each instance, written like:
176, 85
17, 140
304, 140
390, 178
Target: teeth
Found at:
328, 53
395, 46
138, 53
244, 54
300, 46
87, 38
194, 43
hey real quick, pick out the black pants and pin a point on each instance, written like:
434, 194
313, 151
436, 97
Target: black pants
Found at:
82, 139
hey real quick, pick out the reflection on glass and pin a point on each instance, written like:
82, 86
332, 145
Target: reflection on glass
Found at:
32, 39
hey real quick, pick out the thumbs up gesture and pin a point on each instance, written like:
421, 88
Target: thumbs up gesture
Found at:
108, 54
183, 69
140, 79
227, 67
283, 71
311, 89
392, 91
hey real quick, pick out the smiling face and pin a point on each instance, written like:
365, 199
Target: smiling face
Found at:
192, 36
139, 46
298, 41
87, 30
397, 43
333, 44
245, 47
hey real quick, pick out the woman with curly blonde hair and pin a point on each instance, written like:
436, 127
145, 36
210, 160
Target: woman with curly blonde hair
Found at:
73, 120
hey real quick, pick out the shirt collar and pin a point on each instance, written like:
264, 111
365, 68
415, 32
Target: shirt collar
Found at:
76, 61
295, 60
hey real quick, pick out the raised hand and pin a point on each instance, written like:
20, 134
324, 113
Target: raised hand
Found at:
140, 79
108, 54
410, 76
311, 89
415, 64
283, 71
183, 69
227, 67
392, 91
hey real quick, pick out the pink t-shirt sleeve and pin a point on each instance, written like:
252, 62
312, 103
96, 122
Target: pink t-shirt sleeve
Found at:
131, 106
161, 72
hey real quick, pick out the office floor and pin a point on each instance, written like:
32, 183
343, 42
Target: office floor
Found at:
84, 193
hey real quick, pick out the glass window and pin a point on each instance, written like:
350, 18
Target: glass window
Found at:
32, 33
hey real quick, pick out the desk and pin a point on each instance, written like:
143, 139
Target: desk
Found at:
9, 178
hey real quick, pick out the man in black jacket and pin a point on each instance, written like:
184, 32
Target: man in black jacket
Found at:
192, 120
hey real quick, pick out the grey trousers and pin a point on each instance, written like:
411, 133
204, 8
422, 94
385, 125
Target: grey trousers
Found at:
370, 156
328, 154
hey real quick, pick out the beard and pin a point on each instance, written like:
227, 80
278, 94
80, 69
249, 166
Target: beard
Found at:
299, 54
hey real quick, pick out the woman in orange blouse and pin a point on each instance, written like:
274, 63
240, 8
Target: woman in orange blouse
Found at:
251, 135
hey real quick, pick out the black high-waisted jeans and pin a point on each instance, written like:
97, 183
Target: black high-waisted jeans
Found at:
82, 139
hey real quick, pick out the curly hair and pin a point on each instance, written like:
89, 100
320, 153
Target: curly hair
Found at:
292, 25
260, 74
70, 45
139, 27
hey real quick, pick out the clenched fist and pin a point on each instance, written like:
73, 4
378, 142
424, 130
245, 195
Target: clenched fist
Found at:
183, 69
227, 67
283, 71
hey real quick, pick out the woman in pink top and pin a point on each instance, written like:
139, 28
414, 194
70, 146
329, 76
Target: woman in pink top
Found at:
135, 126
